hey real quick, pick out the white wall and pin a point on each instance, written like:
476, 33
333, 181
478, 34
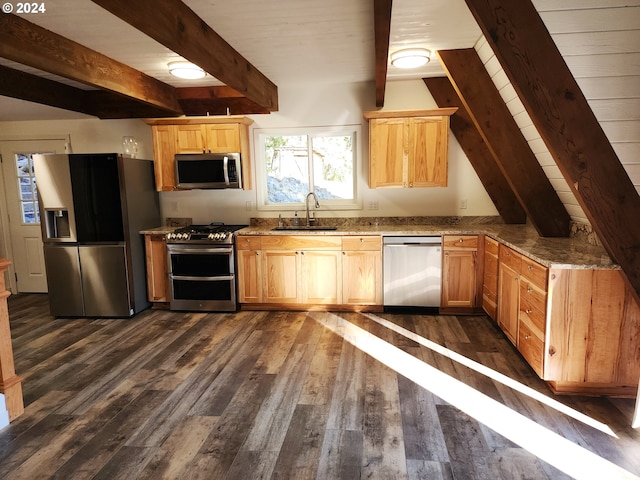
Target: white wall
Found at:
331, 104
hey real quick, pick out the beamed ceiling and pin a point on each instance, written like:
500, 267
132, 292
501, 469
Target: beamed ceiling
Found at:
108, 58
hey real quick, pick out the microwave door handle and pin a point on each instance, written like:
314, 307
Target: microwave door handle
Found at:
226, 170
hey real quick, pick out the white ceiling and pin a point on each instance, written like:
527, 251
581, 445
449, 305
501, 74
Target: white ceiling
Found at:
290, 41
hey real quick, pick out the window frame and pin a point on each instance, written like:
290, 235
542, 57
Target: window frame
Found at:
260, 134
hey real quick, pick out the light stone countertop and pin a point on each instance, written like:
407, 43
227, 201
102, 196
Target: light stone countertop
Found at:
550, 252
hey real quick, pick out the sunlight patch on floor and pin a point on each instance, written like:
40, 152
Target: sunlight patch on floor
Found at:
550, 447
497, 376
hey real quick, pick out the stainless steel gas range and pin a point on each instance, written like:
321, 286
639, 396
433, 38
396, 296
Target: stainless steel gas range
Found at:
202, 267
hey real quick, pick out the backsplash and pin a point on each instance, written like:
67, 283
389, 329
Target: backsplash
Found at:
375, 221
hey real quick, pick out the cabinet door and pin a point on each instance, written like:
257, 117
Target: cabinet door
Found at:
508, 306
280, 270
320, 277
362, 277
190, 139
222, 138
164, 149
387, 158
249, 276
459, 279
427, 151
490, 284
157, 272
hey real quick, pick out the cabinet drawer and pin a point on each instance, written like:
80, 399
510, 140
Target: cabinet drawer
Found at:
301, 242
248, 243
362, 243
490, 246
510, 258
534, 272
532, 348
460, 242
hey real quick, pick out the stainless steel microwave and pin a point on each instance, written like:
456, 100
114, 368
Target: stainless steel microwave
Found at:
208, 170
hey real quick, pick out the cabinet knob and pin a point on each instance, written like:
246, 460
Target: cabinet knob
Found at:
529, 289
362, 240
529, 267
527, 337
410, 184
344, 253
527, 311
461, 240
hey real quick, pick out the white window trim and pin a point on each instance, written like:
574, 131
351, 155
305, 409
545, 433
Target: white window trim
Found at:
261, 174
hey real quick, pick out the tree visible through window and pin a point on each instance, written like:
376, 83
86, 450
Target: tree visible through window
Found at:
27, 188
299, 164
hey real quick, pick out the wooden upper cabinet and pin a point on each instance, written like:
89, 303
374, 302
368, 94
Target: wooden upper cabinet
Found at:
164, 149
190, 139
387, 153
198, 135
408, 149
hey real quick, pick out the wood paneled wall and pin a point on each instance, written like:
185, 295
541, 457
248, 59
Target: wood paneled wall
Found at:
601, 46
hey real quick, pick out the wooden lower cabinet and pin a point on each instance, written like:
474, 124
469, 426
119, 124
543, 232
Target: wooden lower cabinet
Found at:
460, 271
309, 270
490, 278
281, 281
508, 307
156, 265
577, 328
362, 270
249, 269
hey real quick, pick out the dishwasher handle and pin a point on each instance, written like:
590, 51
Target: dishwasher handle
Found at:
415, 240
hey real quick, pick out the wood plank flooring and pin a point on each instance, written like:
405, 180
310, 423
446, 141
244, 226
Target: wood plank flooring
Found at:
295, 395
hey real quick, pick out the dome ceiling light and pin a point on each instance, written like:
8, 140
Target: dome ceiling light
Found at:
410, 57
186, 70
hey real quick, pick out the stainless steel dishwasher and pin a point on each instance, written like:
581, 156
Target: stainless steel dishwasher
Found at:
412, 271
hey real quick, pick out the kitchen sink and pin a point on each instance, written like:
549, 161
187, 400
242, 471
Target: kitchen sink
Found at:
305, 227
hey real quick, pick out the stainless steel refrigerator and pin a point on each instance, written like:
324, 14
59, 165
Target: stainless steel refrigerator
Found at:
92, 208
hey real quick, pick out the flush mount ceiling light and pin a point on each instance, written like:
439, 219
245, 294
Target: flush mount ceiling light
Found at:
410, 57
185, 70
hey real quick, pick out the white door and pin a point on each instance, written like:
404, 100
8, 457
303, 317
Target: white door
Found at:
24, 236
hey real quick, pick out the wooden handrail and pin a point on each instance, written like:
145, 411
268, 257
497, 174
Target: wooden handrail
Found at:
10, 383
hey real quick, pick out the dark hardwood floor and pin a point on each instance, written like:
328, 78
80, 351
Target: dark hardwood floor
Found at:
295, 395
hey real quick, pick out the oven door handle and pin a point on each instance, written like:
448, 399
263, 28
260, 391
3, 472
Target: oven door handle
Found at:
208, 279
199, 250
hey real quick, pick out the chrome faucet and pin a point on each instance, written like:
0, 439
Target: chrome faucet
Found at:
308, 223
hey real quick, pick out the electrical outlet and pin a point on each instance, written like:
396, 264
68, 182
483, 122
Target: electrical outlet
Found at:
248, 206
463, 203
372, 205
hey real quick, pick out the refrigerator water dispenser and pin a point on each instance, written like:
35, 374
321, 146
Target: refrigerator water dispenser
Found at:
57, 222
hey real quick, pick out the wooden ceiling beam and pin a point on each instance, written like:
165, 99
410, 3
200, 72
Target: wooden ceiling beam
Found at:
26, 43
480, 157
219, 100
177, 27
101, 104
566, 123
22, 85
382, 27
504, 139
